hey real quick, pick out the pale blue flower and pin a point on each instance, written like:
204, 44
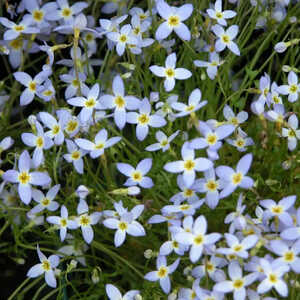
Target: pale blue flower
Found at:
113, 293
292, 133
212, 66
219, 15
163, 141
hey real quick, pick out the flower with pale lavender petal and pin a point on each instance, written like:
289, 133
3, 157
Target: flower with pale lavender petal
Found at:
225, 38
292, 133
235, 178
174, 17
194, 104
119, 102
170, 72
241, 140
279, 210
85, 220
211, 66
233, 119
273, 277
292, 88
198, 238
46, 266
239, 248
63, 222
237, 283
73, 83
264, 87
172, 245
45, 202
126, 224
101, 143
144, 119
6, 143
40, 141
189, 165
75, 156
163, 141
219, 15
113, 293
292, 233
162, 273
137, 175
280, 47
25, 178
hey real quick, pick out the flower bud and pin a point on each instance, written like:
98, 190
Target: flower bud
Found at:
286, 68
148, 253
82, 191
172, 296
286, 164
133, 190
138, 297
95, 276
280, 47
31, 120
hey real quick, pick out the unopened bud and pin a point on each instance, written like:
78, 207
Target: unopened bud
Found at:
126, 75
138, 297
95, 276
133, 190
280, 47
148, 253
286, 68
286, 164
203, 76
82, 191
20, 261
172, 296
57, 272
31, 120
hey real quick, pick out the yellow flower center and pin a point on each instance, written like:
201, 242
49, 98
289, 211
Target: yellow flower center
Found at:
136, 30
32, 86
47, 93
189, 165
16, 44
277, 210
24, 177
291, 133
38, 15
237, 178
39, 142
162, 272
175, 244
63, 222
266, 91
209, 267
143, 119
84, 220
89, 37
240, 143
276, 99
142, 17
293, 88
234, 121
238, 283
19, 28
273, 278
289, 256
46, 265
213, 63
66, 12
55, 129
71, 126
75, 155
190, 108
185, 207
173, 21
99, 146
45, 202
123, 225
75, 83
164, 143
198, 240
237, 248
225, 38
231, 256
120, 102
211, 138
211, 185
170, 72
188, 193
123, 38
219, 15
136, 176
89, 103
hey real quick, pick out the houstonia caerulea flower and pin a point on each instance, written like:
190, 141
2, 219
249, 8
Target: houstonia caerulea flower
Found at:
277, 114
40, 141
264, 87
288, 255
237, 283
211, 187
233, 119
225, 38
119, 102
84, 220
17, 29
30, 84
238, 248
292, 233
194, 104
88, 103
46, 266
25, 178
144, 119
212, 138
137, 175
279, 210
273, 277
241, 141
212, 66
174, 17
45, 202
6, 143
56, 128
188, 165
162, 273
113, 293
122, 38
170, 72
75, 156
292, 133
101, 143
73, 83
126, 224
63, 222
197, 238
292, 88
220, 15
234, 178
163, 141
